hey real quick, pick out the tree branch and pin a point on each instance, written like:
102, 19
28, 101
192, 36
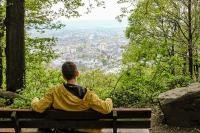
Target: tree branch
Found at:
9, 95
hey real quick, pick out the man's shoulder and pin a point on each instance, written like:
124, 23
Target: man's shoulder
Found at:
55, 87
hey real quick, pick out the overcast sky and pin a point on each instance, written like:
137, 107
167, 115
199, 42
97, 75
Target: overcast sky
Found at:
111, 10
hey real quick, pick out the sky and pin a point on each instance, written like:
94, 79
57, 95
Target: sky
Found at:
111, 10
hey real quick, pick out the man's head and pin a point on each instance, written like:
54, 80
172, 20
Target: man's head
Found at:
69, 70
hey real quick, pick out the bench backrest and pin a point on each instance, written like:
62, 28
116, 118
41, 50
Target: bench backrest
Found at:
120, 118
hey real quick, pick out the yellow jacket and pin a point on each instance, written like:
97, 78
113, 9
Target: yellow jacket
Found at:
60, 98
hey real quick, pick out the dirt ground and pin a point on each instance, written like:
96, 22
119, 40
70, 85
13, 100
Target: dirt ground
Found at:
159, 127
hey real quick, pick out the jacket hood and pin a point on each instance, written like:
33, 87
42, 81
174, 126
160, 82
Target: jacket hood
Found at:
76, 90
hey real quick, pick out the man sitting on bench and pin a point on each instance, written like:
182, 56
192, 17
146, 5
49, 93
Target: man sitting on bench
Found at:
71, 97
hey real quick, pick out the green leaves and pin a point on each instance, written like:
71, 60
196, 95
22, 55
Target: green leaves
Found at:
38, 81
98, 81
156, 32
157, 55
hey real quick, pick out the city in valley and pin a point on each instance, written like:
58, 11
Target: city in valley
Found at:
91, 46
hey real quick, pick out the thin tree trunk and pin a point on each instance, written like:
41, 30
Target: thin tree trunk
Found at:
1, 66
184, 68
1, 49
1, 55
190, 45
172, 55
15, 60
196, 70
196, 65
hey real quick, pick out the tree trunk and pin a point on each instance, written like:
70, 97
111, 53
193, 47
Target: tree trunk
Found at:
190, 45
172, 55
1, 65
1, 50
185, 65
196, 65
1, 55
196, 69
15, 60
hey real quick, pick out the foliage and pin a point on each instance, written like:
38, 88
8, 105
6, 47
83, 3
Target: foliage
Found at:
2, 16
140, 86
158, 36
156, 58
39, 50
37, 83
158, 22
102, 83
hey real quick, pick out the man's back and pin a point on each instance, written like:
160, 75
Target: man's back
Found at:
68, 98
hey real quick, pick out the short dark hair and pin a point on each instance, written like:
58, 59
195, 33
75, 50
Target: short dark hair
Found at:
69, 70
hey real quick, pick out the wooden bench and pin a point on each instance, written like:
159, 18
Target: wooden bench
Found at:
118, 118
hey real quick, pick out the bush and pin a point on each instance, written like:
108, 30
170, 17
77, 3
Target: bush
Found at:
178, 81
37, 83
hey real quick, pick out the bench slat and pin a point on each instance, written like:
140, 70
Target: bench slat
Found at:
95, 115
6, 123
5, 114
57, 114
134, 124
82, 124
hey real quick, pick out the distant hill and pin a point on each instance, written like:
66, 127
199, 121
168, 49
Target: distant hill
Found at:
86, 25
95, 24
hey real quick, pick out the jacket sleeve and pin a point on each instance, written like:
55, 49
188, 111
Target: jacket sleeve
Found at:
97, 104
44, 103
